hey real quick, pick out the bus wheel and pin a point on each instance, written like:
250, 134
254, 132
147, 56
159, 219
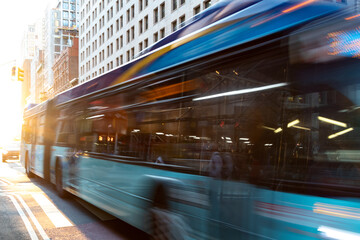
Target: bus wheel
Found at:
29, 174
59, 181
165, 225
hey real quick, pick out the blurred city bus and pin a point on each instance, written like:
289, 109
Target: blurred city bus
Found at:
242, 124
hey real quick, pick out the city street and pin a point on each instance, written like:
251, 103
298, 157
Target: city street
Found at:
31, 209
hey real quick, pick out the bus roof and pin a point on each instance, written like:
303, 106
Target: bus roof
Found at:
223, 26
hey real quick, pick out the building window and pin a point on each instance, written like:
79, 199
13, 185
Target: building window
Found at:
174, 5
132, 33
128, 36
196, 9
132, 53
140, 46
182, 2
207, 4
162, 33
156, 37
146, 43
65, 23
146, 22
182, 20
121, 22
140, 5
162, 10
173, 26
156, 15
140, 27
132, 11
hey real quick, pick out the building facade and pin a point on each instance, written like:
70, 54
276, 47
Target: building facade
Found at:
66, 68
59, 31
31, 41
37, 78
113, 32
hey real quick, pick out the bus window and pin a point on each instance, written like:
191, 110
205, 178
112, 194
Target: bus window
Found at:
97, 134
40, 130
26, 132
65, 132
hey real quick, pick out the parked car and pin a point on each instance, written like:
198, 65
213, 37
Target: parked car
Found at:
11, 151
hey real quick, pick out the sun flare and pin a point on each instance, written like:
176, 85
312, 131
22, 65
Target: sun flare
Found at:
11, 113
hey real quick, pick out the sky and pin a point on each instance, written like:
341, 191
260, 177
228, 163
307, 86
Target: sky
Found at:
15, 15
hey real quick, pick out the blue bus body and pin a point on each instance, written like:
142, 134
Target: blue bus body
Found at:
115, 142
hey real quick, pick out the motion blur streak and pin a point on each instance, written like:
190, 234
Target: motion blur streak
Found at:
337, 211
352, 17
242, 91
334, 233
298, 6
340, 133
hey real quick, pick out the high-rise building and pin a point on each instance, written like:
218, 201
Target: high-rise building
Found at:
28, 42
37, 78
59, 31
66, 68
113, 32
32, 39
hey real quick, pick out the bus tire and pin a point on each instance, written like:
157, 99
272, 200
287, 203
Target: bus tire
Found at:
29, 174
59, 180
165, 225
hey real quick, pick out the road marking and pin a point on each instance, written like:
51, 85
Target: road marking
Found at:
6, 181
24, 218
57, 218
33, 218
3, 183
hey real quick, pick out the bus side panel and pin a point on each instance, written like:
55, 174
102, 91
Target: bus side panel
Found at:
108, 185
38, 167
25, 148
60, 153
126, 190
293, 216
232, 208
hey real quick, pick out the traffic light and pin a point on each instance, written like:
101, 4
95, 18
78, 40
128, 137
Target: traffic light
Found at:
13, 71
20, 74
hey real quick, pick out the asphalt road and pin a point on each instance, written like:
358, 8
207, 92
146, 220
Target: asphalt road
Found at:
31, 209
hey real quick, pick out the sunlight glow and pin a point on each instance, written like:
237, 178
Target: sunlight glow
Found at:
10, 107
